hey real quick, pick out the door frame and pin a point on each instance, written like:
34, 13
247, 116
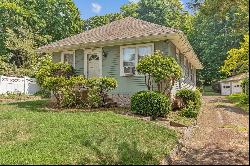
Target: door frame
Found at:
97, 51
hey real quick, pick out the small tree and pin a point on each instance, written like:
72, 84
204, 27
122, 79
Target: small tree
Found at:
162, 69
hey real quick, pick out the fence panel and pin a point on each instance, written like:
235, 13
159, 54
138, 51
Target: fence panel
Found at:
24, 85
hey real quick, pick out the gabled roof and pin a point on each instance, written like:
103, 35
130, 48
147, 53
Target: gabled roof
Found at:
128, 28
236, 77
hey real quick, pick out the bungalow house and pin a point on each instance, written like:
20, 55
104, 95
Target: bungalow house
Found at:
232, 85
114, 50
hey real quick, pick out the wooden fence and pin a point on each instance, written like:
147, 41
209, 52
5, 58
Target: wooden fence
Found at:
24, 85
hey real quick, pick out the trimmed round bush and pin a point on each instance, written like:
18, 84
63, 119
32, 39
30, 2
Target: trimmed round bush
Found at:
188, 96
150, 103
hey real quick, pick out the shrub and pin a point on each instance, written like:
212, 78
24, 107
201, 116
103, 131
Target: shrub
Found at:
190, 96
75, 92
161, 69
150, 103
43, 93
245, 86
190, 110
99, 89
244, 99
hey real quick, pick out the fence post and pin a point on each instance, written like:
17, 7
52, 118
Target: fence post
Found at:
24, 85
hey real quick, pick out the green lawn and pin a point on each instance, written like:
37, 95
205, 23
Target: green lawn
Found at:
237, 99
208, 91
31, 135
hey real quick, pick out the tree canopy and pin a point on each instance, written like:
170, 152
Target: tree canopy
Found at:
218, 26
28, 24
238, 59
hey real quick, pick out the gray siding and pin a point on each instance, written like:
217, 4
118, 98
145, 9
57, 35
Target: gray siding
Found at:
56, 57
130, 84
111, 67
79, 62
161, 46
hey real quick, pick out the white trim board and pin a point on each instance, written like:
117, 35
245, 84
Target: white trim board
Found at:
136, 46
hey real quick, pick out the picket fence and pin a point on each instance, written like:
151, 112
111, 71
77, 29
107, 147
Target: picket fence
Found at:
24, 85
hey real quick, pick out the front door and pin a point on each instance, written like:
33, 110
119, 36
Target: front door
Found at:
93, 65
93, 62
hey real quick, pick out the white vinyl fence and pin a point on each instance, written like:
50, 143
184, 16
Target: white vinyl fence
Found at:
24, 85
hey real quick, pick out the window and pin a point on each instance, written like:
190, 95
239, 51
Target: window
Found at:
226, 87
185, 66
192, 72
68, 57
131, 55
129, 60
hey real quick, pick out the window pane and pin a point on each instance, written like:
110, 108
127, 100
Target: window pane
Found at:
128, 54
68, 58
143, 51
129, 60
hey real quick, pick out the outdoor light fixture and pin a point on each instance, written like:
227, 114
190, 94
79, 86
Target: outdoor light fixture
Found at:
104, 54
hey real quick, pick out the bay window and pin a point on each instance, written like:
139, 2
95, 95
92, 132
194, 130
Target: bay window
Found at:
131, 55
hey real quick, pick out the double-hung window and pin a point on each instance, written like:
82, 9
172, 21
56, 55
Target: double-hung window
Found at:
131, 55
68, 57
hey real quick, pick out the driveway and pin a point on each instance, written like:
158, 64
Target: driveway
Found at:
221, 136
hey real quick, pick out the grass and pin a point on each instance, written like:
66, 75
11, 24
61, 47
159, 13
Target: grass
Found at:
176, 117
32, 135
237, 99
208, 91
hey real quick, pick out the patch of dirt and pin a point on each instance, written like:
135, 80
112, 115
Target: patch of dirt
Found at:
221, 136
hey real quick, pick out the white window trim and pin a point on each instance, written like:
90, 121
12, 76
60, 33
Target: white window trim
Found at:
136, 46
69, 52
98, 51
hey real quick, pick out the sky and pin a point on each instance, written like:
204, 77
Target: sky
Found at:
89, 8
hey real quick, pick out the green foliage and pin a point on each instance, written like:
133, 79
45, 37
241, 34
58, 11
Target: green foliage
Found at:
99, 89
238, 59
241, 100
73, 95
25, 26
129, 9
190, 111
48, 70
218, 26
245, 86
160, 67
43, 93
150, 103
162, 12
73, 91
191, 99
97, 21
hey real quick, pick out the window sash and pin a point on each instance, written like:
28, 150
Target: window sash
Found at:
138, 49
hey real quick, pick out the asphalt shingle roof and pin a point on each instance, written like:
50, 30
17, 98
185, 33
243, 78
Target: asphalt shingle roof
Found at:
126, 28
236, 77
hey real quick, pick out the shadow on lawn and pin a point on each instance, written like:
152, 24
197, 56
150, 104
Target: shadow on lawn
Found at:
126, 154
34, 105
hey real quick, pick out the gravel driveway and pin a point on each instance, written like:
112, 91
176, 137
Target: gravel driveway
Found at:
221, 135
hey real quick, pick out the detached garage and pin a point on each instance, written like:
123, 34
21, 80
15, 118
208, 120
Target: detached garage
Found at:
232, 84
